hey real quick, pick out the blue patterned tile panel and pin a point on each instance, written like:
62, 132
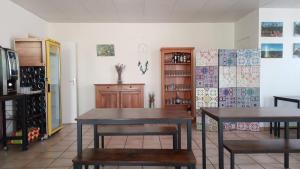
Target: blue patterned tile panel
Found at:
227, 57
227, 97
206, 76
248, 97
248, 57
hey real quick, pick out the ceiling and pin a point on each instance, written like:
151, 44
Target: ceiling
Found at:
148, 10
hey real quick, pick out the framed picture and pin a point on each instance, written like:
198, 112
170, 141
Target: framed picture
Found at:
271, 29
105, 50
296, 28
271, 50
296, 51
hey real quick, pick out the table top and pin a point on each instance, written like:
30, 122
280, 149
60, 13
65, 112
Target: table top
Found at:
261, 114
125, 114
288, 97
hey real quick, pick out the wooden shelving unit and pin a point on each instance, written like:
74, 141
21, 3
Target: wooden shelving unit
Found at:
177, 78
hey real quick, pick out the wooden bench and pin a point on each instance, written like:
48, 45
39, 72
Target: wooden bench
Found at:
135, 157
119, 130
261, 146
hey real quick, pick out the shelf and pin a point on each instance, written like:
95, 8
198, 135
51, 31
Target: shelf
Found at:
168, 76
179, 90
174, 105
177, 63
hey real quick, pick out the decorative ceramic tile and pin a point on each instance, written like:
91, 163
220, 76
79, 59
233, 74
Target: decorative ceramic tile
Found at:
253, 126
248, 57
227, 57
227, 97
248, 76
229, 126
212, 125
248, 97
206, 76
206, 97
207, 57
227, 76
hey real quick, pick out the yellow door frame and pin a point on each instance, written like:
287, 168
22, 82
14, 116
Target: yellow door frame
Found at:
50, 43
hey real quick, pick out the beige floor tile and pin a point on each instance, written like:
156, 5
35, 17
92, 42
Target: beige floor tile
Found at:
61, 163
39, 163
250, 166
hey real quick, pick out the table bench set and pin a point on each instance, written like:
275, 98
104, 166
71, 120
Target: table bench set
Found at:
131, 122
223, 115
116, 122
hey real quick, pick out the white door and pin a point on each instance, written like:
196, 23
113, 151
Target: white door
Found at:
69, 82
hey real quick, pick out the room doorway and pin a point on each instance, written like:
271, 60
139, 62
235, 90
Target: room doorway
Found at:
69, 82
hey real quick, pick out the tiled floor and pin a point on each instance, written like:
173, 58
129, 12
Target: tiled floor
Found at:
58, 150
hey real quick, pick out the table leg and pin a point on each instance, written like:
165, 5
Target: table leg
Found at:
179, 136
286, 136
220, 143
189, 135
79, 138
203, 141
96, 142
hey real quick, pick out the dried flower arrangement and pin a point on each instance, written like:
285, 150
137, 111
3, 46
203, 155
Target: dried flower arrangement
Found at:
119, 68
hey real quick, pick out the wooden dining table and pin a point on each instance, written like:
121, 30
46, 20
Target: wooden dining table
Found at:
263, 114
129, 116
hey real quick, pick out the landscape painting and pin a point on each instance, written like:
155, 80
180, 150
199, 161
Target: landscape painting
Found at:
296, 51
105, 50
296, 28
271, 29
271, 50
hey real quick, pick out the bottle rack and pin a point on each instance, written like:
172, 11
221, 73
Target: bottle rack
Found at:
33, 78
177, 87
177, 73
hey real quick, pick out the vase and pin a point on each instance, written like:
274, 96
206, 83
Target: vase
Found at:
120, 78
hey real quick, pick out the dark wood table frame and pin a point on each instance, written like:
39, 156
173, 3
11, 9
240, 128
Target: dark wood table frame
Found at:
277, 124
222, 115
134, 116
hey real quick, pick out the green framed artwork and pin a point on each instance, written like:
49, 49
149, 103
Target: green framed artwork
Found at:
105, 50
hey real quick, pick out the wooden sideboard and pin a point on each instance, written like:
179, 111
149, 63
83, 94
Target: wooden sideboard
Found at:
119, 95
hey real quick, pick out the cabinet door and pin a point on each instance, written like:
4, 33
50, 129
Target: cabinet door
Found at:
131, 99
109, 99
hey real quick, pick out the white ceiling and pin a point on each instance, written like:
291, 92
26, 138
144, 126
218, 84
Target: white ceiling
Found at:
148, 10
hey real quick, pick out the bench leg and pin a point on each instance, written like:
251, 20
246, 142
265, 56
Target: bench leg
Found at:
231, 160
96, 137
278, 130
175, 142
271, 127
102, 141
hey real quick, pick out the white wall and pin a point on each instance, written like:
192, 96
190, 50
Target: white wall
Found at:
280, 76
18, 22
246, 31
126, 37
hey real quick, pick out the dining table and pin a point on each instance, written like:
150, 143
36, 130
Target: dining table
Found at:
243, 114
134, 116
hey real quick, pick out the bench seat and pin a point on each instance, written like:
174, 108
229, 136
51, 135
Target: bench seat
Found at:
136, 157
263, 146
133, 130
117, 130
